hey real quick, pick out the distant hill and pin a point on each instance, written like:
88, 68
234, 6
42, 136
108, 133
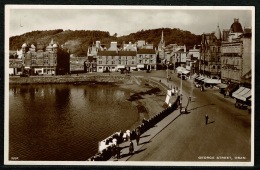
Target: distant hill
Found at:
78, 41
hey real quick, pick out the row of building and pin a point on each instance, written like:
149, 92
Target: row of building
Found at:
40, 60
222, 55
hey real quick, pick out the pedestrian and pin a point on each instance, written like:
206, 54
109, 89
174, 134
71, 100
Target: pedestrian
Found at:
113, 150
206, 118
131, 148
127, 135
118, 152
137, 137
114, 141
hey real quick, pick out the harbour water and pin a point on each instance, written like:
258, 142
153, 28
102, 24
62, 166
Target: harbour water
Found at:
65, 122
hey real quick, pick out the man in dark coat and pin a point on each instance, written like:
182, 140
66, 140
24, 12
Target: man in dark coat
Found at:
206, 118
131, 148
137, 137
118, 152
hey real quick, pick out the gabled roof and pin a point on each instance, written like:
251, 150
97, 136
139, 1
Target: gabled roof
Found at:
127, 53
107, 53
115, 53
146, 51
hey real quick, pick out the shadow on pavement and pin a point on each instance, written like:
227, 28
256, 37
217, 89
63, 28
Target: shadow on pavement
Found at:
136, 152
145, 136
211, 122
124, 147
144, 142
200, 106
124, 155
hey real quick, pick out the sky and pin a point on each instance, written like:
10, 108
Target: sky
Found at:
123, 20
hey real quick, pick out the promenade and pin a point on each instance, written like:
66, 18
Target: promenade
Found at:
186, 137
147, 136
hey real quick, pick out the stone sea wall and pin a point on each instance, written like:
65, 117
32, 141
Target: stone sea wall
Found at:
118, 79
68, 79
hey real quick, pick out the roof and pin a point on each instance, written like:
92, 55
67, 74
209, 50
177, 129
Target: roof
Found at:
146, 51
236, 27
115, 53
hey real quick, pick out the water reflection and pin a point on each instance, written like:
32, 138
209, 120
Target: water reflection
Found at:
65, 122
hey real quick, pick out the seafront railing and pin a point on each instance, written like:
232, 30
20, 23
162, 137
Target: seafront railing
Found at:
106, 146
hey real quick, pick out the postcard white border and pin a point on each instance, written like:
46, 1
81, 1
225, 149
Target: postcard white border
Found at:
127, 163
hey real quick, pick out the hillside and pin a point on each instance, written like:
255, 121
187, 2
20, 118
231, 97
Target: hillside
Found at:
78, 41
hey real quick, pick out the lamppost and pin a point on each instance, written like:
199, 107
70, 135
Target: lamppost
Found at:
167, 65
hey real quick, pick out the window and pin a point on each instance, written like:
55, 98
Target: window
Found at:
133, 62
113, 62
119, 62
45, 62
238, 62
140, 61
213, 67
151, 61
33, 61
133, 57
99, 62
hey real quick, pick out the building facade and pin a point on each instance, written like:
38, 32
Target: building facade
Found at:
236, 54
210, 64
146, 59
116, 60
39, 60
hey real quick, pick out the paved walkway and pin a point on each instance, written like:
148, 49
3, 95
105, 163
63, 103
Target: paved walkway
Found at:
152, 132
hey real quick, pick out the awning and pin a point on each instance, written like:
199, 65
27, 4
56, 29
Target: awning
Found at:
238, 91
194, 76
204, 80
120, 66
246, 95
221, 86
185, 72
180, 69
200, 78
140, 66
242, 95
212, 81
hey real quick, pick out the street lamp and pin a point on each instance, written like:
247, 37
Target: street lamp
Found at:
167, 65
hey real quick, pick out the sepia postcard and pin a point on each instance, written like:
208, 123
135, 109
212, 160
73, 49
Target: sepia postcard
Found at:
129, 85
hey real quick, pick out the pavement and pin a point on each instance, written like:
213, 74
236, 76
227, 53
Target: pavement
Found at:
185, 137
147, 136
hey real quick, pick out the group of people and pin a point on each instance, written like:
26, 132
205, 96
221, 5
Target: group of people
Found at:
113, 149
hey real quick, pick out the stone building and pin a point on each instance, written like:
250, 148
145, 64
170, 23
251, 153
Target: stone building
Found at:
210, 65
131, 56
115, 60
146, 59
236, 54
41, 60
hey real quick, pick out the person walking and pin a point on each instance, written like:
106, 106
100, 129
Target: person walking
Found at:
206, 118
137, 137
131, 148
118, 151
